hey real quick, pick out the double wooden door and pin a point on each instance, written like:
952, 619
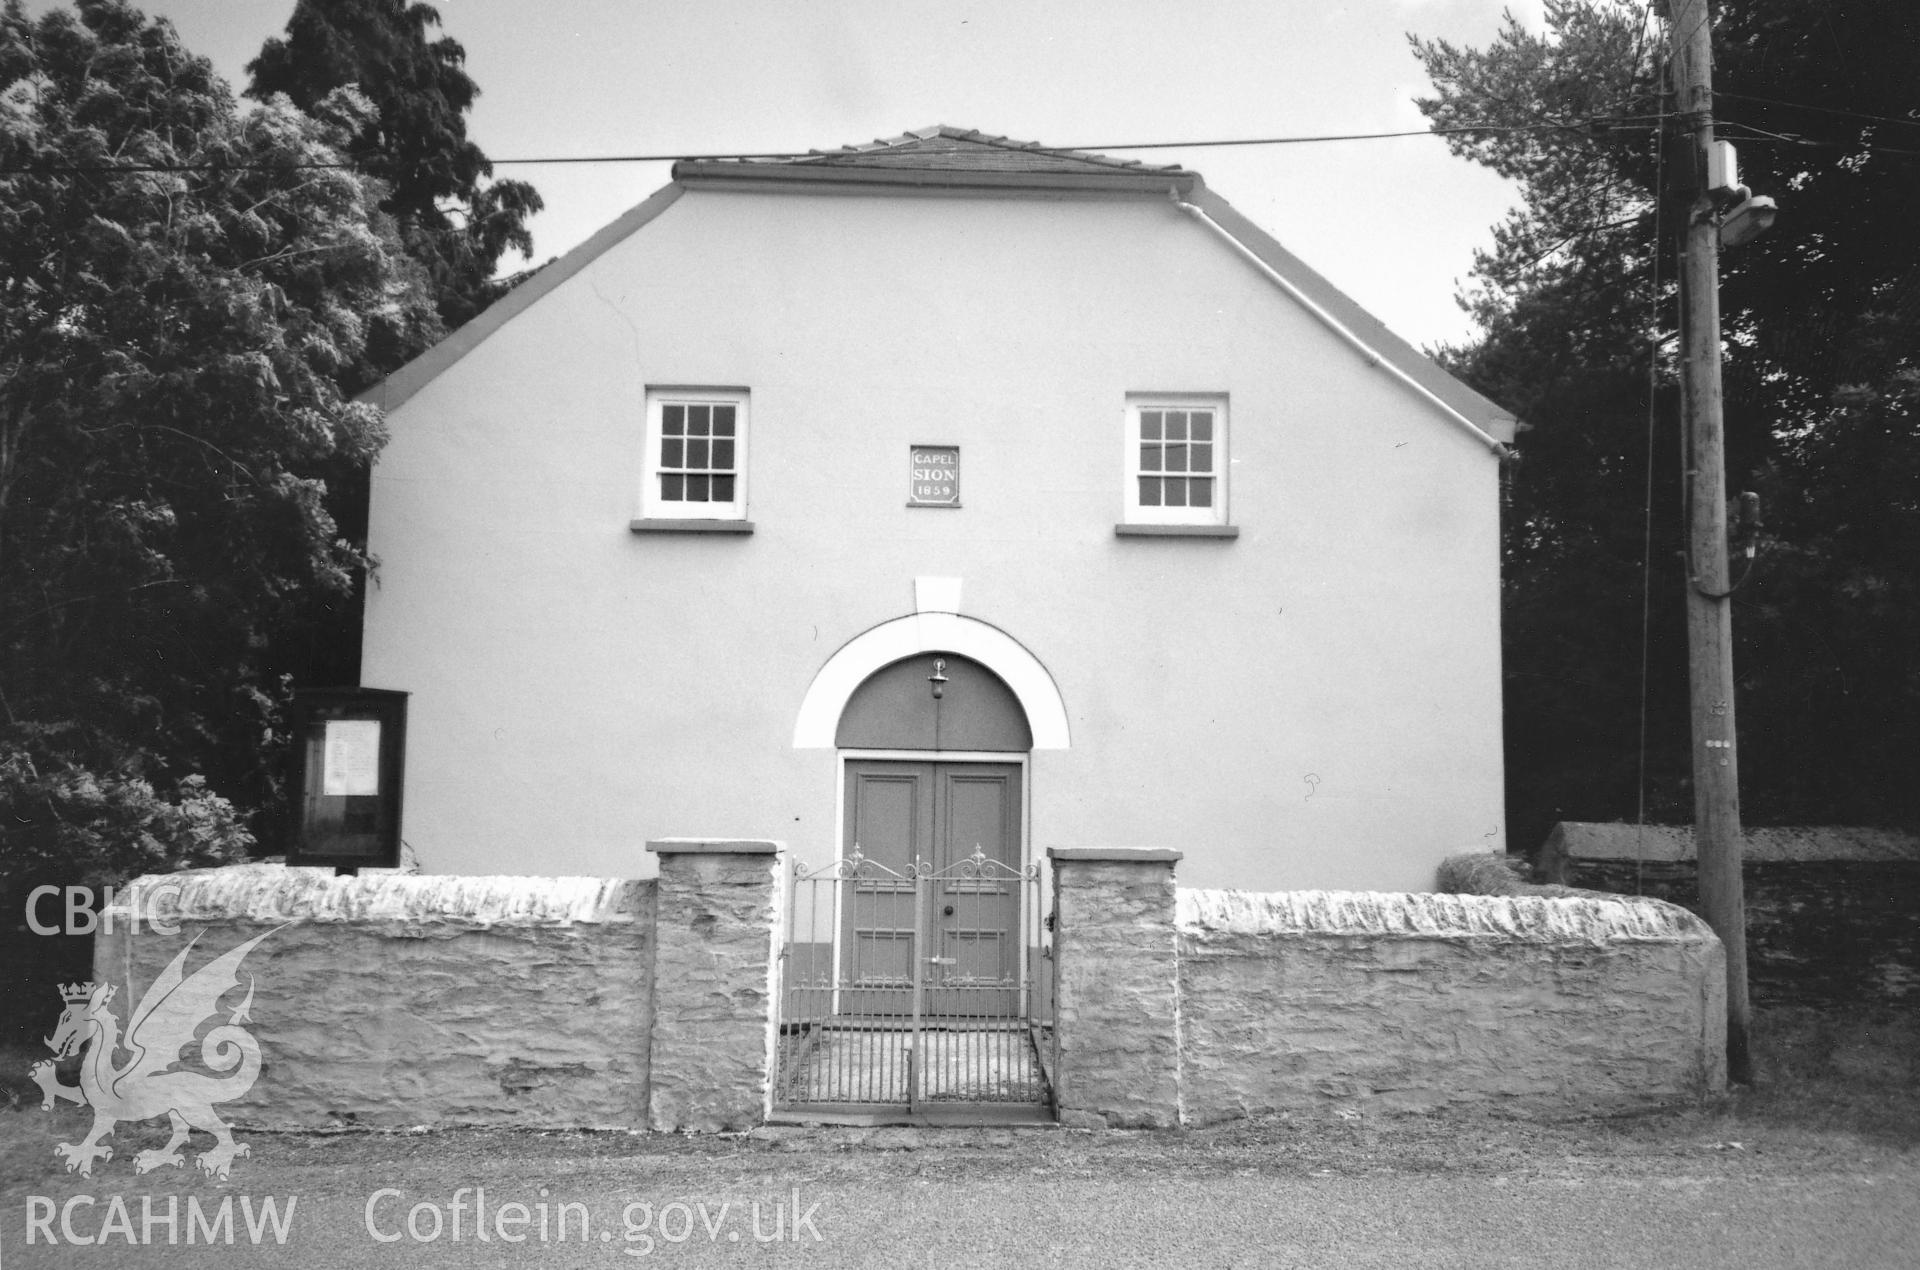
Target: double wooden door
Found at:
941, 886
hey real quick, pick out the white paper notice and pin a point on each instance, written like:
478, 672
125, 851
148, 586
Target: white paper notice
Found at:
352, 762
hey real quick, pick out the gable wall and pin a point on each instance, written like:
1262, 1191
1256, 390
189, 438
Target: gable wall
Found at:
1314, 704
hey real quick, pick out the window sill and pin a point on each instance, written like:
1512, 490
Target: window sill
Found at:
1176, 531
677, 525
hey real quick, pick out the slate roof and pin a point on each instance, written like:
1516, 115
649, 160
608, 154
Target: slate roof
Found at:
945, 156
946, 149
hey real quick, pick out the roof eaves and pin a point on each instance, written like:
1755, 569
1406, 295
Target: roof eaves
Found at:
1150, 181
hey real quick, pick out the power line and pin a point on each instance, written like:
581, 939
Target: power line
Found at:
1823, 110
1346, 136
1760, 136
1603, 123
792, 155
1646, 527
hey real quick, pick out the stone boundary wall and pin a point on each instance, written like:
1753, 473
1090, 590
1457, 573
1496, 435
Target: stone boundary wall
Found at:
1194, 1007
1580, 840
1833, 912
394, 1000
1421, 1001
1818, 932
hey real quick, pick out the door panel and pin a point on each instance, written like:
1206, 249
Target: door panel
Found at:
981, 958
976, 908
889, 814
890, 811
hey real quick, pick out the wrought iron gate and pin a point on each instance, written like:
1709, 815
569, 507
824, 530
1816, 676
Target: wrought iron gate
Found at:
914, 995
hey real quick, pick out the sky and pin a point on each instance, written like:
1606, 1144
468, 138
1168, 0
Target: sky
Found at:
1393, 223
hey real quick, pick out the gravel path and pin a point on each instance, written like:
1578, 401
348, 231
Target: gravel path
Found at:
1818, 1166
1677, 1189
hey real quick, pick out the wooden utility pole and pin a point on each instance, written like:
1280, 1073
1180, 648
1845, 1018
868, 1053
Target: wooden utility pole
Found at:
1716, 766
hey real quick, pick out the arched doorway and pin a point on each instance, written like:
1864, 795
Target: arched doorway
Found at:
934, 758
901, 638
910, 981
934, 701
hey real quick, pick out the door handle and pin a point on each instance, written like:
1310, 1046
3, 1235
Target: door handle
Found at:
947, 911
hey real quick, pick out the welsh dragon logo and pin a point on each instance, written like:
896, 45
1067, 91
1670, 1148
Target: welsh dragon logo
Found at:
150, 1082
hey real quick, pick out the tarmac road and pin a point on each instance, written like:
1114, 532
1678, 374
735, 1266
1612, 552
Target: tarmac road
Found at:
1411, 1194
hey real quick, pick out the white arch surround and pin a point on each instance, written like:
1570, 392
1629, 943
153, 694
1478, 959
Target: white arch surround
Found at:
888, 642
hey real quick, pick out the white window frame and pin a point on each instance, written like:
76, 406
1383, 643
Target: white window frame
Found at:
1139, 514
655, 507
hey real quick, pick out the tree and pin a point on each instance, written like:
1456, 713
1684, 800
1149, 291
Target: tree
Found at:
1825, 314
1567, 304
1822, 318
183, 290
452, 220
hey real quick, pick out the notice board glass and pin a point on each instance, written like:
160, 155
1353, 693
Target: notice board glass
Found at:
344, 783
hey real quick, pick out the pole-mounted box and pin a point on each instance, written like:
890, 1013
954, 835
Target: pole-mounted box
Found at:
1723, 172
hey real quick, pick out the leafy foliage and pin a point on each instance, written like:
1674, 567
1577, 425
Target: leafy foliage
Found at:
102, 830
453, 221
1822, 323
172, 344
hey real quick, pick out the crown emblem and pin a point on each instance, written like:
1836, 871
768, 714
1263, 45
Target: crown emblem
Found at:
76, 992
